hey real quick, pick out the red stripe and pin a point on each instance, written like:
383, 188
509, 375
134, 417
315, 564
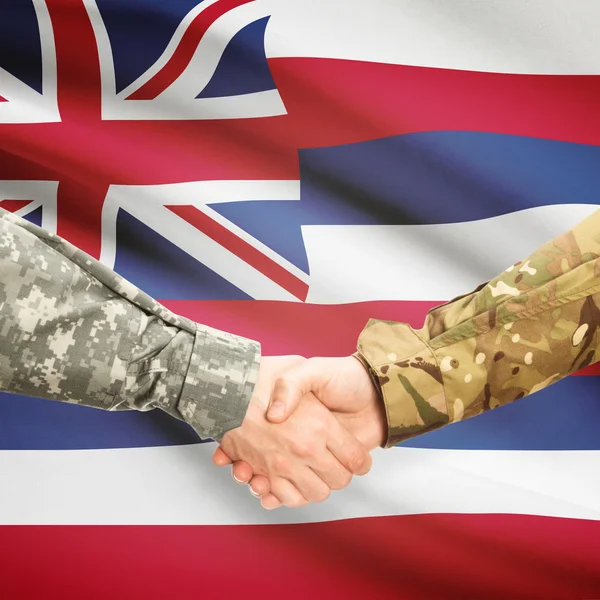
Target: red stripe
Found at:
185, 50
289, 327
248, 253
342, 101
410, 557
14, 205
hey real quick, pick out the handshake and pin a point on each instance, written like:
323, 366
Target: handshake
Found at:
309, 428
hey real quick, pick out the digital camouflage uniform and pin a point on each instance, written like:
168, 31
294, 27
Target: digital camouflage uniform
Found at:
517, 334
73, 330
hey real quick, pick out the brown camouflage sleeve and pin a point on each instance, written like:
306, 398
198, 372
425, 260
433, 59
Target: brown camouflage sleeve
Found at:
529, 327
73, 330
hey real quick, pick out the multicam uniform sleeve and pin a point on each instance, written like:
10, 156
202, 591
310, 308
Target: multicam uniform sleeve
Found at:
522, 331
73, 330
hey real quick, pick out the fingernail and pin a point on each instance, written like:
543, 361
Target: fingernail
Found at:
253, 492
276, 410
238, 480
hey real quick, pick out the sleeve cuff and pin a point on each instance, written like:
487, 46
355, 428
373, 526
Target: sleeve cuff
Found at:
219, 382
409, 378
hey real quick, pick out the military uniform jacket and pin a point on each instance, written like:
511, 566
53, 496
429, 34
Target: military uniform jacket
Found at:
529, 327
73, 330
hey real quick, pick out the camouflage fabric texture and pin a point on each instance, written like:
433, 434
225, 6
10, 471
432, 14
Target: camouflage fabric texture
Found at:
529, 327
75, 331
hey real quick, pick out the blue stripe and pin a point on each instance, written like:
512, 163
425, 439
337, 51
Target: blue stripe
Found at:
444, 177
34, 424
562, 417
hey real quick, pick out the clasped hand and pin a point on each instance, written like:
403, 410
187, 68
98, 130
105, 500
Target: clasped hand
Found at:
309, 428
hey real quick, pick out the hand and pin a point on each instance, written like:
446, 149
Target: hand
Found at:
343, 386
305, 457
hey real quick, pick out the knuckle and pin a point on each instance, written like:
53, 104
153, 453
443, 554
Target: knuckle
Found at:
343, 480
291, 497
356, 461
322, 494
270, 502
280, 387
303, 448
279, 463
368, 463
294, 501
321, 427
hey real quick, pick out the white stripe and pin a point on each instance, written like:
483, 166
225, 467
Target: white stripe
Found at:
359, 263
179, 485
513, 36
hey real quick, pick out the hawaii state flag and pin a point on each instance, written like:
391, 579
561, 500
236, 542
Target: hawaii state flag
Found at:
284, 170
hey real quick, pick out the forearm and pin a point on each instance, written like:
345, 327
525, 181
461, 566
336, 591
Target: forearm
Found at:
527, 328
75, 331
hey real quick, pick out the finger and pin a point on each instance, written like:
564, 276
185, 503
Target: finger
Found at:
287, 493
270, 502
309, 484
220, 458
260, 485
241, 471
348, 450
289, 388
332, 472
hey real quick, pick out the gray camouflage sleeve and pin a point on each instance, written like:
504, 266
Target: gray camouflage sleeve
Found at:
73, 330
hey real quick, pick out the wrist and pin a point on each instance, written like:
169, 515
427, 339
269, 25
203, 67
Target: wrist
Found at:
376, 425
375, 418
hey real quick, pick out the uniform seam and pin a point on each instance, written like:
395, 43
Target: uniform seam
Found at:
527, 312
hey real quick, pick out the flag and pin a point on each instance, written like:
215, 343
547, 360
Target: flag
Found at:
285, 170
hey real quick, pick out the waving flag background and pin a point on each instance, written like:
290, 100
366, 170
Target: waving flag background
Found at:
286, 169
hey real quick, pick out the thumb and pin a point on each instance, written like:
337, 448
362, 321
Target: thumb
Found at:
289, 388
